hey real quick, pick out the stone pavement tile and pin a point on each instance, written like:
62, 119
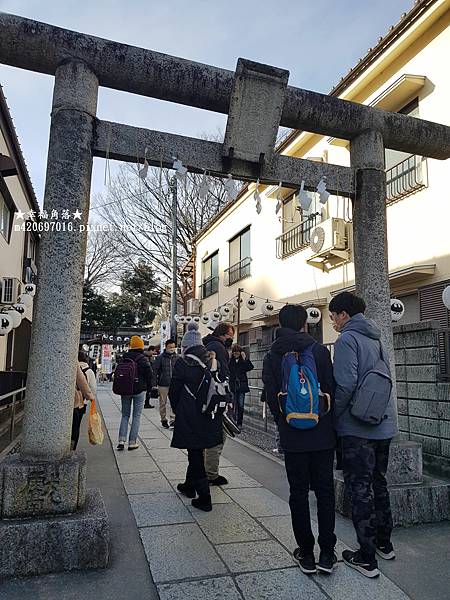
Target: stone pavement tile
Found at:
174, 471
218, 496
237, 478
259, 502
152, 435
145, 483
140, 464
284, 584
159, 509
126, 455
254, 556
347, 584
225, 463
168, 455
219, 588
228, 523
156, 443
177, 552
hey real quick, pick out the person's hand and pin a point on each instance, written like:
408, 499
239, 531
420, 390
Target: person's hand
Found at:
211, 354
243, 356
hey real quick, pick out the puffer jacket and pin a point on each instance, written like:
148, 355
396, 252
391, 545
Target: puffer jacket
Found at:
163, 368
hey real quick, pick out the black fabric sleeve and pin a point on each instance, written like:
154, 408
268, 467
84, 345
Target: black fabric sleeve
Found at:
271, 387
176, 385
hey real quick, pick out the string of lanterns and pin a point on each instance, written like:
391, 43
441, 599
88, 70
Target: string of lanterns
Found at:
11, 316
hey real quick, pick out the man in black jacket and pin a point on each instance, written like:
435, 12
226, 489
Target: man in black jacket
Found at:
309, 453
218, 342
163, 369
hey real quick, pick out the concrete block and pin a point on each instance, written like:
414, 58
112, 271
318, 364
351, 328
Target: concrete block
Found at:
402, 406
400, 371
259, 502
422, 373
30, 488
254, 556
443, 392
228, 523
422, 391
177, 552
420, 339
430, 445
422, 356
238, 478
403, 423
400, 356
159, 509
50, 545
445, 429
402, 389
424, 408
429, 427
445, 445
145, 483
444, 410
283, 584
206, 589
405, 463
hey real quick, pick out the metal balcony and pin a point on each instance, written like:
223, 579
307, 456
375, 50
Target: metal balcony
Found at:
406, 178
296, 239
239, 271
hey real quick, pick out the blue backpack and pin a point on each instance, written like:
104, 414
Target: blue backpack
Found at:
300, 391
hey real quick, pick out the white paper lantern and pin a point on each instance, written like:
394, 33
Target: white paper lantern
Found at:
446, 297
251, 303
111, 337
30, 289
215, 315
15, 316
205, 319
212, 325
188, 318
226, 310
196, 319
85, 347
177, 318
21, 308
236, 301
164, 326
397, 309
267, 308
314, 315
25, 299
6, 324
182, 319
119, 339
127, 339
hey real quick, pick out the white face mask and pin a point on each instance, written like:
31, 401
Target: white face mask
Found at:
171, 350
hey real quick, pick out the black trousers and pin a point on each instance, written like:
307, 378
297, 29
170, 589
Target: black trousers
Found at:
196, 474
78, 414
305, 471
365, 464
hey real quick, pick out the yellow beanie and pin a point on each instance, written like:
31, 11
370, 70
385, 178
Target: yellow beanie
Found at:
136, 342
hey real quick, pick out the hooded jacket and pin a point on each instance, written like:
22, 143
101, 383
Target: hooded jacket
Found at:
193, 430
215, 344
238, 374
322, 436
356, 351
163, 367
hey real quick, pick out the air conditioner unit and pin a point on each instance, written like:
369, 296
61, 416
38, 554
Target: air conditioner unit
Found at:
193, 306
329, 242
10, 290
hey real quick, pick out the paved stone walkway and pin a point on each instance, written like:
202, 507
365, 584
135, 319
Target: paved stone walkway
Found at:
242, 550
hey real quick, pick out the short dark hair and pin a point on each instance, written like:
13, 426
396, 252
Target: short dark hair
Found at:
236, 348
82, 356
347, 302
293, 316
223, 328
170, 341
151, 348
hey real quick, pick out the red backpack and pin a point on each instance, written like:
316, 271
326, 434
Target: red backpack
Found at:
125, 376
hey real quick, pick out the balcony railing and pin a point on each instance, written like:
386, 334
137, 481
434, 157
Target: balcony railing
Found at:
406, 178
209, 287
296, 239
239, 271
444, 353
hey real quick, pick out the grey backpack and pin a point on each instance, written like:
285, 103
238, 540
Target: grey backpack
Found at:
373, 393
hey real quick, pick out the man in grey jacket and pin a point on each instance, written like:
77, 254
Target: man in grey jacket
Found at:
365, 447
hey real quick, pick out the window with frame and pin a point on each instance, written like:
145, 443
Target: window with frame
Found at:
5, 218
210, 277
239, 257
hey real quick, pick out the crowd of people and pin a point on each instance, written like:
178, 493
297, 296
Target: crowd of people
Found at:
320, 409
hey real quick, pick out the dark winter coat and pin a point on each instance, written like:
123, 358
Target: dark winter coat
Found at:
163, 368
144, 368
238, 374
215, 344
321, 437
193, 430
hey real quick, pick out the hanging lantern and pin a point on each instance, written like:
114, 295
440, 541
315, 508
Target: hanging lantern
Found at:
188, 319
14, 315
204, 319
267, 308
164, 326
111, 337
397, 309
25, 299
86, 347
119, 339
196, 319
226, 310
127, 339
182, 319
314, 315
21, 308
251, 303
30, 289
211, 325
104, 336
177, 318
215, 315
446, 297
236, 301
6, 324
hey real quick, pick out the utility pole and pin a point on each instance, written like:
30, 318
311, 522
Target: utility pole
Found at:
173, 298
238, 326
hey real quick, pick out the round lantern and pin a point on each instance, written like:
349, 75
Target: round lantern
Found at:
127, 339
204, 319
267, 308
251, 303
446, 297
119, 339
397, 309
30, 289
164, 326
111, 337
215, 315
177, 318
25, 299
21, 308
182, 319
226, 310
15, 316
196, 319
314, 315
6, 324
104, 336
188, 319
212, 325
236, 301
85, 347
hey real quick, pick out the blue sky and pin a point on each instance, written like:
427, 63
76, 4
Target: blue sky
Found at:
317, 40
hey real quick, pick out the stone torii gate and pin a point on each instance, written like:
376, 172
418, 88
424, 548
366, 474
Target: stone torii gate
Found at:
47, 480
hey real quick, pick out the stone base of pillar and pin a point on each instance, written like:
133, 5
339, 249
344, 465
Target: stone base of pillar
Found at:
415, 498
37, 546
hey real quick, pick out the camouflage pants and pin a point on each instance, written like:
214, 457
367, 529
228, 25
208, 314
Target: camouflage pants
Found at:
365, 464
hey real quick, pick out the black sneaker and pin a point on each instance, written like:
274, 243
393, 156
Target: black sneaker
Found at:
219, 480
306, 561
120, 446
356, 561
327, 562
386, 551
186, 490
165, 424
149, 406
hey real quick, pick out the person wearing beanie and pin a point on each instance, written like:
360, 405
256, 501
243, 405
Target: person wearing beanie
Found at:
192, 337
141, 384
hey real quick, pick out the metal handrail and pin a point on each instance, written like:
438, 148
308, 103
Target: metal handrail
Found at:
3, 398
297, 238
211, 284
238, 271
406, 178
